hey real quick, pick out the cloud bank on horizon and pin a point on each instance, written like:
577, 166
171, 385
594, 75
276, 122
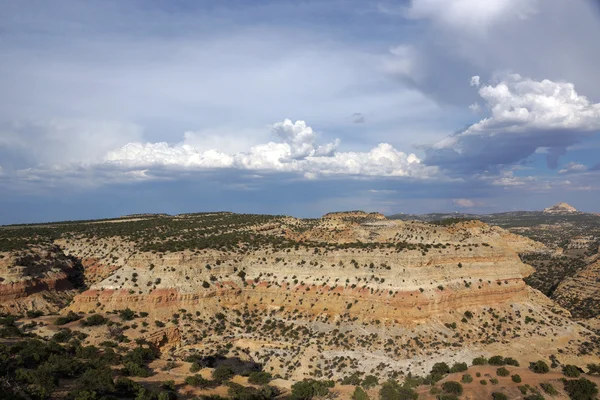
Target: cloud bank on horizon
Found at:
427, 105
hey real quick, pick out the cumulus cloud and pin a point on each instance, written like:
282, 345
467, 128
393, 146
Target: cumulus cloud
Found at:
524, 116
296, 151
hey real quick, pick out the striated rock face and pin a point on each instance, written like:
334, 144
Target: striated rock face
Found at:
580, 294
429, 270
322, 298
40, 278
560, 208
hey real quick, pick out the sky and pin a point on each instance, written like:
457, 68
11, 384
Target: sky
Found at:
302, 107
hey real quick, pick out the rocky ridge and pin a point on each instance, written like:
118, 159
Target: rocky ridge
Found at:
560, 208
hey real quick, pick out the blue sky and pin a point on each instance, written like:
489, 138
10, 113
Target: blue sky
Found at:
301, 108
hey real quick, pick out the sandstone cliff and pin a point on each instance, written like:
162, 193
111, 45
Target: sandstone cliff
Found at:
40, 278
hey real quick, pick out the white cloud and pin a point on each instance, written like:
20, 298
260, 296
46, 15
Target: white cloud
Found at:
475, 81
518, 105
525, 115
297, 151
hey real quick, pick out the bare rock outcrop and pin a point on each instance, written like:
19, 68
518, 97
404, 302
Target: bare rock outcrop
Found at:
39, 278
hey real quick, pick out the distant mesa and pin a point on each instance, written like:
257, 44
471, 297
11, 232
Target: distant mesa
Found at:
560, 208
344, 215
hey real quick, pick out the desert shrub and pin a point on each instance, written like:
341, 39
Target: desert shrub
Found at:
539, 367
594, 368
483, 382
140, 355
126, 314
133, 369
440, 368
222, 373
571, 371
499, 396
493, 381
459, 367
502, 372
511, 361
353, 379
98, 380
65, 319
34, 313
195, 367
516, 378
452, 387
239, 392
93, 320
548, 388
534, 396
369, 382
497, 361
581, 389
359, 394
466, 378
480, 361
310, 388
259, 378
447, 396
199, 382
391, 390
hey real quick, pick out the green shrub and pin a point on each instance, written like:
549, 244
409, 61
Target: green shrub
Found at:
571, 371
539, 367
502, 372
493, 381
133, 369
93, 320
594, 368
126, 314
447, 396
359, 394
353, 379
391, 390
65, 319
222, 373
195, 367
499, 396
199, 382
259, 378
310, 388
480, 361
369, 382
548, 388
440, 368
534, 396
511, 361
497, 361
516, 378
581, 389
452, 387
466, 378
459, 367
483, 382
